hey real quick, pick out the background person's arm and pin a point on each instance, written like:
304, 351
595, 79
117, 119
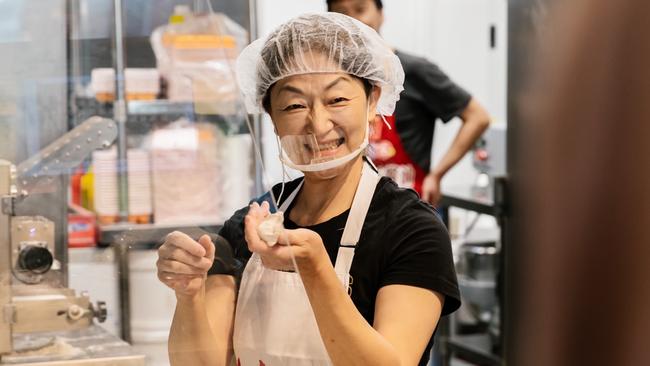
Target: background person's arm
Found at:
475, 121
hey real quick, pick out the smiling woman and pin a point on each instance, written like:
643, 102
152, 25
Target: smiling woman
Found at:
364, 270
322, 120
319, 78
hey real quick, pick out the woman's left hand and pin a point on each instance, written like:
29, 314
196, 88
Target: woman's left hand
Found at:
306, 245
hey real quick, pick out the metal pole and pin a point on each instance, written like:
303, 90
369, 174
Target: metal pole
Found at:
5, 262
74, 60
119, 113
257, 125
61, 250
198, 6
121, 250
441, 352
252, 20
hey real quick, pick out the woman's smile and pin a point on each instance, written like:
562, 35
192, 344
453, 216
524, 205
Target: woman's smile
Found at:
327, 148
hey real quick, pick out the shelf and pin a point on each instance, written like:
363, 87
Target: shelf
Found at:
475, 348
148, 236
142, 107
153, 111
137, 107
165, 107
159, 107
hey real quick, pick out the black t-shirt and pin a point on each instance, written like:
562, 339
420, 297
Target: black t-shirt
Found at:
402, 242
428, 94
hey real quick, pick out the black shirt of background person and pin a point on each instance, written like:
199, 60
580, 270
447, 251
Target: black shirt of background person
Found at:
428, 94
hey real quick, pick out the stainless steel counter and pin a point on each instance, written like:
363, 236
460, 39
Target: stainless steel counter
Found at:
88, 346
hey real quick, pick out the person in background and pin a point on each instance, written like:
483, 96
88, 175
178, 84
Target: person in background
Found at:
585, 189
404, 152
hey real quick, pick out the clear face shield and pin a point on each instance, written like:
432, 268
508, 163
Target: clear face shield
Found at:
307, 154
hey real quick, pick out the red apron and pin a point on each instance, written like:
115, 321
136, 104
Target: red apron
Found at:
390, 157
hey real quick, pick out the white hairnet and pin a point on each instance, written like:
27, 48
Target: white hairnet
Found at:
319, 43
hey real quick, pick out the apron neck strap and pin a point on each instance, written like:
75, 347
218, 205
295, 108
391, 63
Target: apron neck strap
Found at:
354, 225
368, 168
285, 205
360, 206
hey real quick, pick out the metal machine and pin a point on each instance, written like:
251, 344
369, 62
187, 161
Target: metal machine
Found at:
40, 320
489, 158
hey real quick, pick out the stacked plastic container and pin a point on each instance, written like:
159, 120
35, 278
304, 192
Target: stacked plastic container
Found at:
105, 186
142, 84
186, 174
102, 83
140, 207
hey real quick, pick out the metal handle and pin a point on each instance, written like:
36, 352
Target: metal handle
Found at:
66, 153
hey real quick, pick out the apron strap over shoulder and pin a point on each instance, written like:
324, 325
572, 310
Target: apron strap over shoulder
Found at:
285, 205
354, 224
360, 206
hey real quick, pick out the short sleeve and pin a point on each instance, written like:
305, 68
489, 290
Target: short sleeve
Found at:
442, 96
420, 254
232, 254
231, 251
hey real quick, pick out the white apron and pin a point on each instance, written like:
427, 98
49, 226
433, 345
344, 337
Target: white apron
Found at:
274, 322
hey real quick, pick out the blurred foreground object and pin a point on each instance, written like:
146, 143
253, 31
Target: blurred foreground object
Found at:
586, 299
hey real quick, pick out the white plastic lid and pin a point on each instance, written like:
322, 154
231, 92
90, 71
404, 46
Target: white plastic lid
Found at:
102, 80
142, 80
182, 9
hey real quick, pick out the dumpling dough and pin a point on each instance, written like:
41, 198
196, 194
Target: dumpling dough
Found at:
271, 228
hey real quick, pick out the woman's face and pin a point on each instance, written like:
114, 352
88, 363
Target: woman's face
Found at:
331, 106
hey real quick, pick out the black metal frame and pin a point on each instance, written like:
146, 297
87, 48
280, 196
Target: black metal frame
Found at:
478, 349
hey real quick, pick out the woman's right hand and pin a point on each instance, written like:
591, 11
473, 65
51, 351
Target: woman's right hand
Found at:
183, 263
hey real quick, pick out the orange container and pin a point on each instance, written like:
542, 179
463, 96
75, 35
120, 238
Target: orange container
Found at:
82, 228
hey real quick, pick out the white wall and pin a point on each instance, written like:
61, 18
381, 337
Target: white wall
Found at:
271, 13
455, 35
